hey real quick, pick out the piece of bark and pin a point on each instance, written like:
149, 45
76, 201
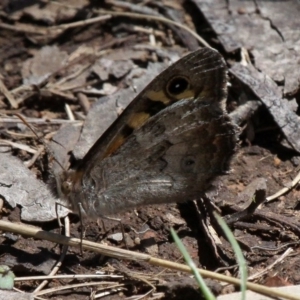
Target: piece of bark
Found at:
270, 30
18, 186
45, 62
63, 142
270, 95
12, 295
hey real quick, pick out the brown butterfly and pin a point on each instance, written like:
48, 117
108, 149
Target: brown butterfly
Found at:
167, 145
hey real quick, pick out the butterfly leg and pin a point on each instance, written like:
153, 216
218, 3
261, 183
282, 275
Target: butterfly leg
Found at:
82, 226
57, 203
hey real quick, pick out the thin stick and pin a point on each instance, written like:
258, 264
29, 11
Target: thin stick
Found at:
39, 139
78, 285
56, 29
30, 162
61, 258
84, 277
134, 256
285, 189
39, 121
63, 27
19, 146
69, 112
155, 18
13, 103
271, 266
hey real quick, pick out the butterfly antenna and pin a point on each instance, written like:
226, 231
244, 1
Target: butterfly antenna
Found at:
41, 140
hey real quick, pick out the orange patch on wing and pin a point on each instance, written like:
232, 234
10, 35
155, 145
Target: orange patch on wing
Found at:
115, 145
185, 95
158, 96
162, 97
137, 120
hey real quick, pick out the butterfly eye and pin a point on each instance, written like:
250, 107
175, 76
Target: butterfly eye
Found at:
66, 187
177, 85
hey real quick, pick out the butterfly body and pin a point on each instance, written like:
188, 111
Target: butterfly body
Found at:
168, 144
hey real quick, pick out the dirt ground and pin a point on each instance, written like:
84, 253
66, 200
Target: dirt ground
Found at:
45, 68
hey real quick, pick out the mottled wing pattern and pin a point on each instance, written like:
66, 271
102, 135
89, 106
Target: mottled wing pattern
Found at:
199, 74
169, 143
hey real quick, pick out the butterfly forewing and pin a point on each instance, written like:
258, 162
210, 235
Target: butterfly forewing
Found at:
169, 143
204, 71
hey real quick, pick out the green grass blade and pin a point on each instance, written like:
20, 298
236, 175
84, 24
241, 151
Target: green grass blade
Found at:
204, 288
238, 253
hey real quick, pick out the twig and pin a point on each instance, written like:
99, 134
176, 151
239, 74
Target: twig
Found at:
155, 18
30, 162
69, 112
25, 28
104, 292
285, 189
148, 31
61, 258
39, 121
54, 29
19, 146
73, 286
84, 277
134, 256
61, 94
19, 135
22, 88
63, 27
83, 102
267, 269
8, 95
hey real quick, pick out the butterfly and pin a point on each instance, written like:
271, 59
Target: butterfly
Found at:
171, 141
